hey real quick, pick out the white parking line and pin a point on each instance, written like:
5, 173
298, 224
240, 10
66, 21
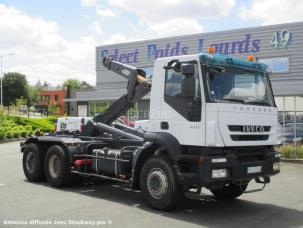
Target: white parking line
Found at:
90, 190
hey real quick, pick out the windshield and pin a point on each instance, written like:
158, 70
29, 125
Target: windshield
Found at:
231, 85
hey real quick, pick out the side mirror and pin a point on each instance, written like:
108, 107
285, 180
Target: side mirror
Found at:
188, 69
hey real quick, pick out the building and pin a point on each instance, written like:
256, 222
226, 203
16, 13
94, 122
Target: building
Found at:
50, 96
280, 46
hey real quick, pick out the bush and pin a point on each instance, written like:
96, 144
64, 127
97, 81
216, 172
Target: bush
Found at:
2, 135
16, 134
286, 150
28, 128
9, 135
40, 123
300, 151
24, 133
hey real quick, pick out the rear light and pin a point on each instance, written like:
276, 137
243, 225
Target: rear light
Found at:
83, 162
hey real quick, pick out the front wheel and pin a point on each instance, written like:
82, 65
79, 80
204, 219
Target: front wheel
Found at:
229, 191
158, 184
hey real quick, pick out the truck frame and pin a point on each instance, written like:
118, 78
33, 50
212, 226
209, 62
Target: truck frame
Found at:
187, 150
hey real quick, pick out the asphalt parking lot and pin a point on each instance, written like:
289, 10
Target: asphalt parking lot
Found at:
110, 205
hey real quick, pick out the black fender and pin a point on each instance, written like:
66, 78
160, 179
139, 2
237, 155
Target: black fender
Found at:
153, 141
167, 141
44, 142
26, 142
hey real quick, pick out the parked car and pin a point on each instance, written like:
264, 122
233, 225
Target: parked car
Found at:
292, 132
142, 125
126, 121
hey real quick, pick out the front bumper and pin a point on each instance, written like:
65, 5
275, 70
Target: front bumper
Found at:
238, 169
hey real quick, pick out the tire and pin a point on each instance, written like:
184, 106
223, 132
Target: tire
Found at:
32, 162
57, 168
158, 184
229, 192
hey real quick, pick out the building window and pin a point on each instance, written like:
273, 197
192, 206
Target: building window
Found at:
56, 98
277, 64
45, 98
291, 119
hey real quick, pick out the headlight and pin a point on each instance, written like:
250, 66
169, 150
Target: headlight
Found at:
219, 173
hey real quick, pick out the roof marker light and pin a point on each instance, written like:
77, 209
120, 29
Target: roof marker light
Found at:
211, 50
250, 58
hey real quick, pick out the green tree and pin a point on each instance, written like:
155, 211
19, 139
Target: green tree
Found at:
53, 109
76, 84
46, 84
33, 95
39, 85
14, 87
20, 103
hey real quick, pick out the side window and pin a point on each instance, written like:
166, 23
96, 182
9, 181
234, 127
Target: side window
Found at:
173, 82
183, 94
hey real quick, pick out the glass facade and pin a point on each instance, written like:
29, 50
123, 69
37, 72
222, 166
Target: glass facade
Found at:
291, 119
99, 107
148, 71
276, 64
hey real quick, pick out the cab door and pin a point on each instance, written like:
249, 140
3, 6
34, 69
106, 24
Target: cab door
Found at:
183, 103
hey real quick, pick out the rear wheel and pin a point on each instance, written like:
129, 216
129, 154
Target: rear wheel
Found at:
158, 184
33, 163
230, 191
57, 168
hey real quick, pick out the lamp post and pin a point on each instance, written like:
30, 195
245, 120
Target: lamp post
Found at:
1, 57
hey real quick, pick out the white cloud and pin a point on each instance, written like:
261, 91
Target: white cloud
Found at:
88, 3
96, 27
106, 12
178, 26
116, 38
159, 18
157, 11
41, 52
273, 12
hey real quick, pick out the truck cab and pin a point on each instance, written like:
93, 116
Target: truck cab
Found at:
213, 101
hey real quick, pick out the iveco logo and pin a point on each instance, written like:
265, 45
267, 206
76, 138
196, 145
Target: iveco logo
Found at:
252, 128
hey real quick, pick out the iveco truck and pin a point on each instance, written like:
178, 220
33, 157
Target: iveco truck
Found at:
213, 124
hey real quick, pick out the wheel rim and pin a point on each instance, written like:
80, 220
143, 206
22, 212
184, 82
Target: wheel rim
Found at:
54, 166
157, 183
30, 162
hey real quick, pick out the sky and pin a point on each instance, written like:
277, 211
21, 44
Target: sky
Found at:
53, 40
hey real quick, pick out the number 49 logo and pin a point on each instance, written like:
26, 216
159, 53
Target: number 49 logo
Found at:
281, 39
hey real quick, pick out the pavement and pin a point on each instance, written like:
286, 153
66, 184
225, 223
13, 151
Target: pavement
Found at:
106, 204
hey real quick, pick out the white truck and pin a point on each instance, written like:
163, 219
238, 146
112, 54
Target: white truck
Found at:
213, 124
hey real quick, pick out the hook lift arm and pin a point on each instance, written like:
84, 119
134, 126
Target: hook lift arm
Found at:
137, 87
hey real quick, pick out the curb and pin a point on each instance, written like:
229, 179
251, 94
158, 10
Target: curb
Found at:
288, 160
11, 140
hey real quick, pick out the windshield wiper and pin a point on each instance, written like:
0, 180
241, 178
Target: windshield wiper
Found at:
258, 103
234, 99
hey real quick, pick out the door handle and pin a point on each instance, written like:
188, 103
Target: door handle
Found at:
164, 125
